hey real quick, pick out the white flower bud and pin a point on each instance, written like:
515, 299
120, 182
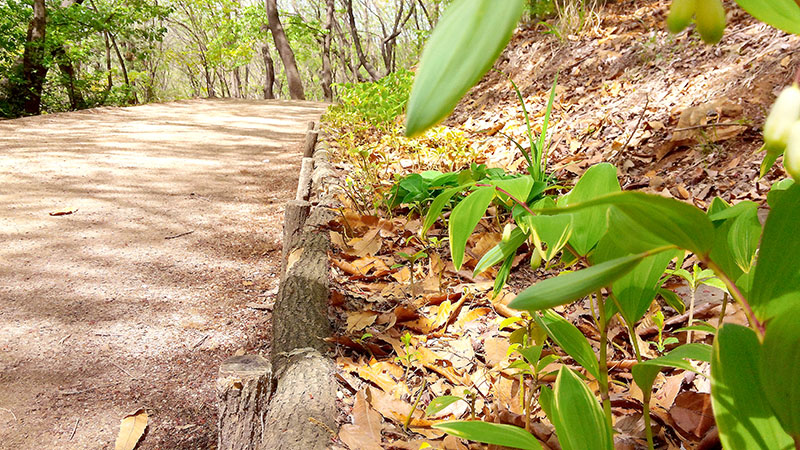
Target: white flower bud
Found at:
783, 115
791, 159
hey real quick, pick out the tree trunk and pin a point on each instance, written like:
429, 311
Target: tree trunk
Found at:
285, 52
76, 100
26, 94
327, 76
123, 67
269, 69
351, 20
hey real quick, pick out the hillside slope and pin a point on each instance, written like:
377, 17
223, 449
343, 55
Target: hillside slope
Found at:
631, 93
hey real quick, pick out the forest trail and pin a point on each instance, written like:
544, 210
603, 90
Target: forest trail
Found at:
133, 299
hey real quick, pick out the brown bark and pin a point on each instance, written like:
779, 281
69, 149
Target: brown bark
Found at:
285, 51
75, 95
362, 58
302, 411
269, 70
244, 386
26, 93
327, 75
123, 67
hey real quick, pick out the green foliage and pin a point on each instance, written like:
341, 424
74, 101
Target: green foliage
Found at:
744, 417
626, 240
460, 51
776, 283
576, 414
377, 103
491, 433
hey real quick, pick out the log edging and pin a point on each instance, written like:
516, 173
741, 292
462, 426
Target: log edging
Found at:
299, 407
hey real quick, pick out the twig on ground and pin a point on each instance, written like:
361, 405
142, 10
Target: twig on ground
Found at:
123, 369
10, 412
179, 235
75, 428
711, 125
638, 122
200, 342
64, 339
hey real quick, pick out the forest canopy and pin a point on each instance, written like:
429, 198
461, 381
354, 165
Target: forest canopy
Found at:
59, 55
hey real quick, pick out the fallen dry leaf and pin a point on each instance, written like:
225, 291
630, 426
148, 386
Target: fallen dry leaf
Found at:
692, 413
131, 429
359, 320
64, 212
365, 431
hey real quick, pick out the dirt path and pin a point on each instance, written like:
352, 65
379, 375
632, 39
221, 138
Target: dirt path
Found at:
115, 307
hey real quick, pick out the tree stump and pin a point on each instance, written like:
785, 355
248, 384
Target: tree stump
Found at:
244, 386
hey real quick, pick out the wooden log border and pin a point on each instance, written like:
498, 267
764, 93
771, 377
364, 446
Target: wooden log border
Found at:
299, 411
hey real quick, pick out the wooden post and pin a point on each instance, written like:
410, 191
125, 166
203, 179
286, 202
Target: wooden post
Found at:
304, 184
311, 140
294, 218
244, 386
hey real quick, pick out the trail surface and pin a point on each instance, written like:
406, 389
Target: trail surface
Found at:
133, 298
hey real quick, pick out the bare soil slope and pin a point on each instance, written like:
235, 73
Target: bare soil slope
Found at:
134, 298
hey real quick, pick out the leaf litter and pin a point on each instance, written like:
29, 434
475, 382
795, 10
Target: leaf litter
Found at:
410, 332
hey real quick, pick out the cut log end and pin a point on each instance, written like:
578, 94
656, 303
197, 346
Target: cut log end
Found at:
244, 386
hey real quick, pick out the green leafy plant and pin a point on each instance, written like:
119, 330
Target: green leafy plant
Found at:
620, 245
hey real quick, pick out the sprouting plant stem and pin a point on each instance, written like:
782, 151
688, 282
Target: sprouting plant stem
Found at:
691, 313
534, 168
414, 406
797, 436
603, 357
515, 199
739, 298
722, 310
648, 429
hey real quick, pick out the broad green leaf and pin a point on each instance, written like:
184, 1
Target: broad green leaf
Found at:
465, 218
744, 418
736, 236
582, 423
570, 339
501, 251
590, 224
780, 368
502, 275
776, 280
519, 187
439, 403
555, 231
645, 372
781, 14
675, 222
532, 353
777, 190
618, 242
467, 40
673, 300
491, 433
571, 286
438, 205
636, 290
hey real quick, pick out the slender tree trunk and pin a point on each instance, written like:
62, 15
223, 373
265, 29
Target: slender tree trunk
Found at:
237, 83
344, 54
285, 51
123, 67
75, 95
351, 20
109, 80
269, 70
327, 76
